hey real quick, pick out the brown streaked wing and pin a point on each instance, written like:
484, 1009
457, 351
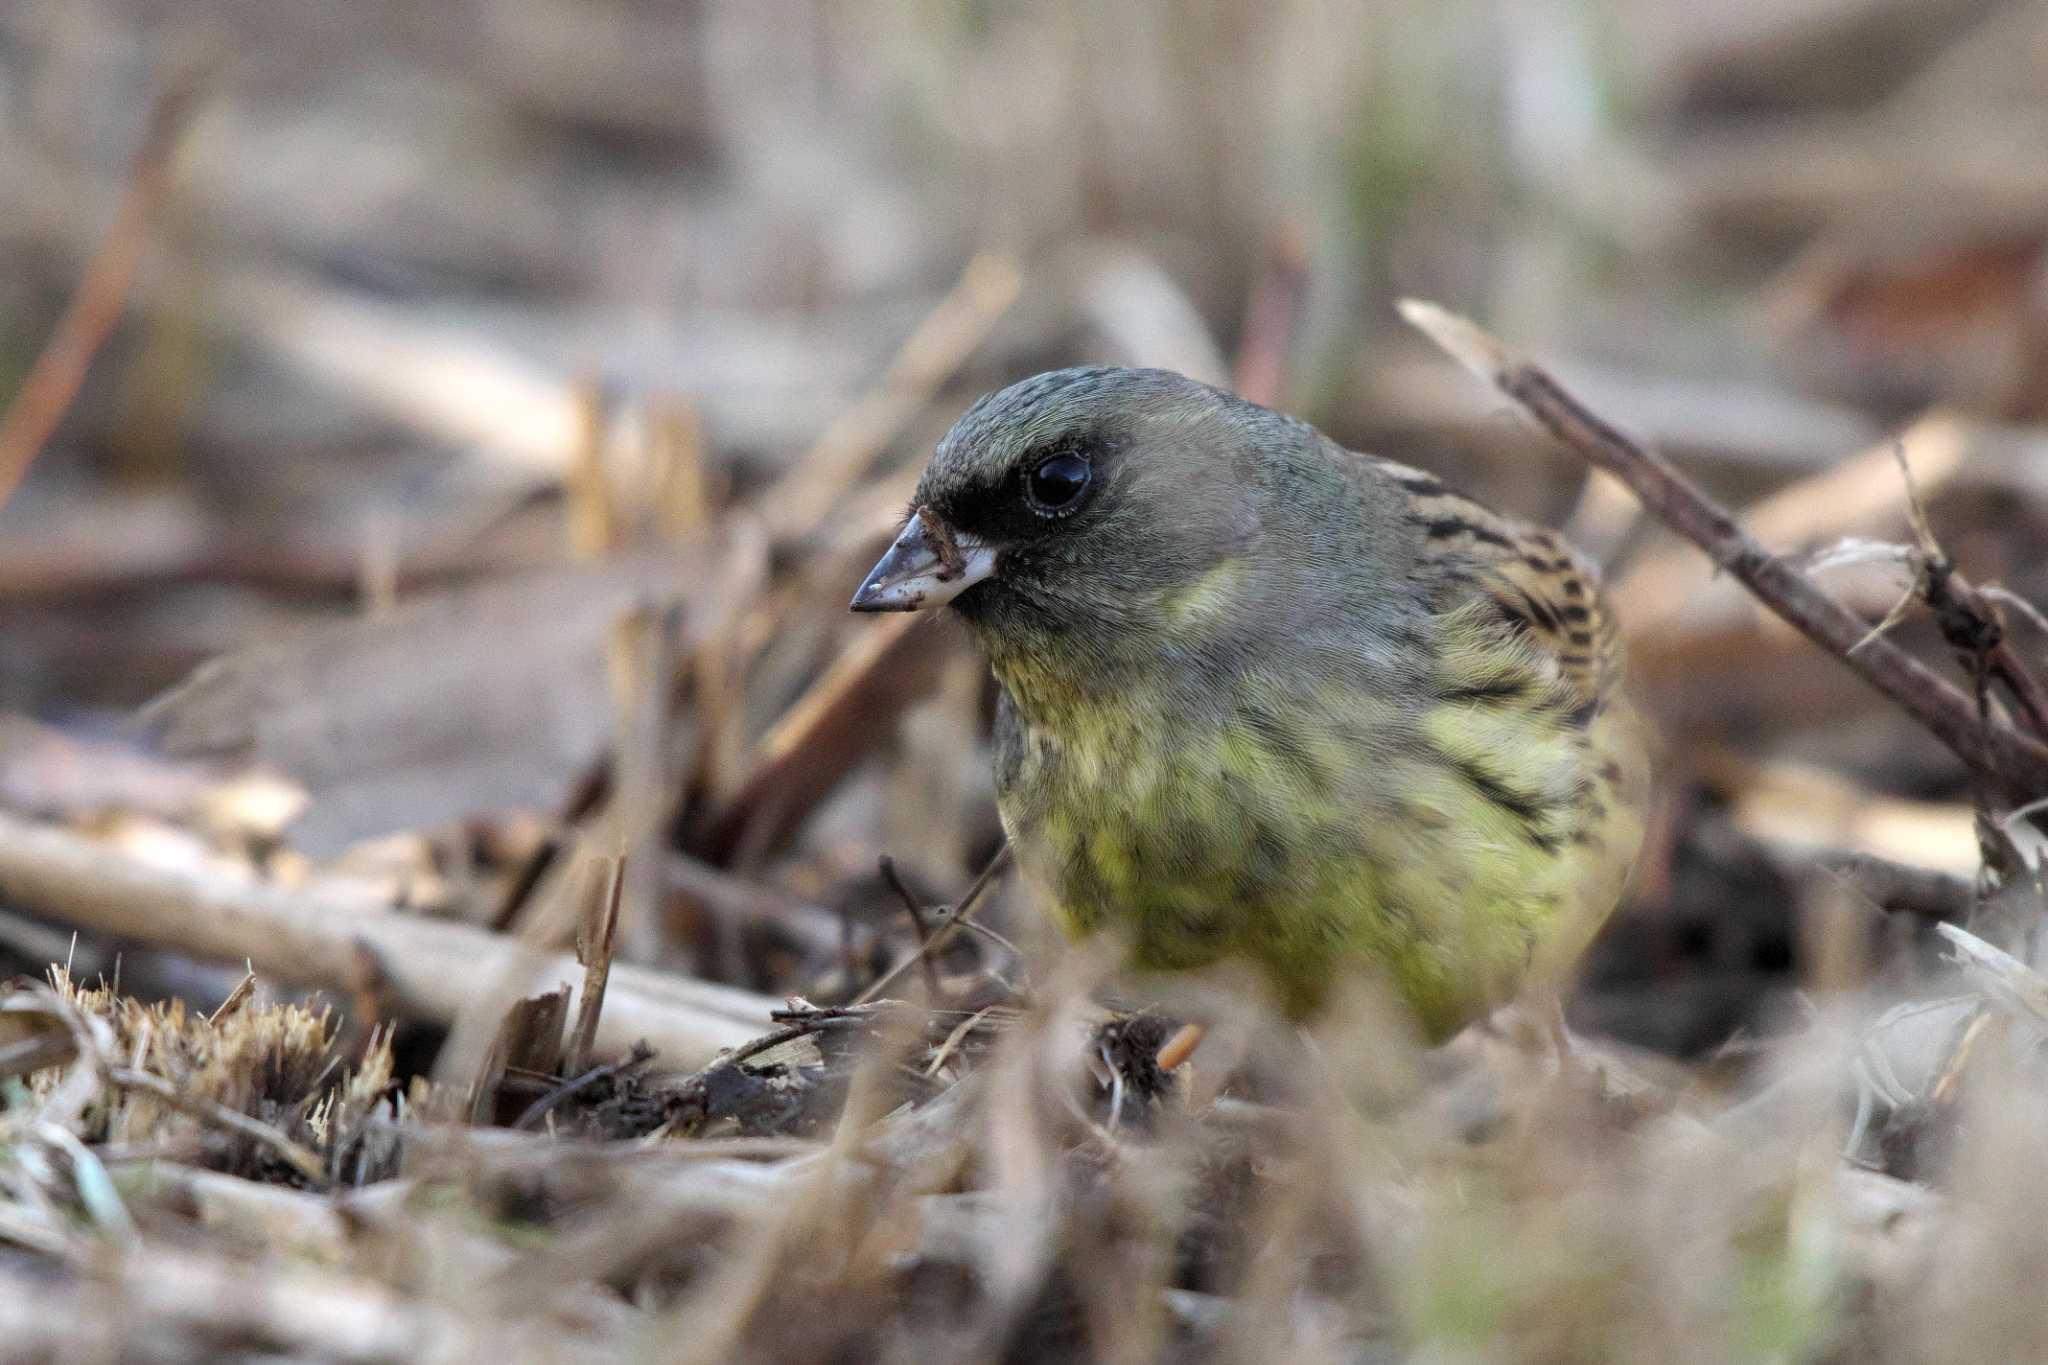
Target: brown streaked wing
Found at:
1541, 585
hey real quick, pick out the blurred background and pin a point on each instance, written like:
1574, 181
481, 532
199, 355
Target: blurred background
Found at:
507, 395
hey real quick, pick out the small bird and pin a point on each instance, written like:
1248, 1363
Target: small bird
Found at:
1264, 699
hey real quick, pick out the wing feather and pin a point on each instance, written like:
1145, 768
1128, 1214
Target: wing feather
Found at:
1535, 581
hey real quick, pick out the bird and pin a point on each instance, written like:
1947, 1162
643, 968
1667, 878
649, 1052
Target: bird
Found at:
1266, 700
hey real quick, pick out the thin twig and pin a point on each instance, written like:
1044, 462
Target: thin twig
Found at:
961, 914
803, 1014
640, 1056
2016, 763
804, 1024
982, 931
101, 297
956, 1036
887, 867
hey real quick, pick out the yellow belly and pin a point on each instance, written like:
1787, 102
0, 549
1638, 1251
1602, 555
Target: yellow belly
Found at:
1330, 835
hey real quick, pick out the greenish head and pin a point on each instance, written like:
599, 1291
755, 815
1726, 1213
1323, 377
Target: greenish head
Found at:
1096, 508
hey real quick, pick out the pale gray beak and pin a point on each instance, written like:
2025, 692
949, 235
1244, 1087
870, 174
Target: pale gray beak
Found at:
928, 566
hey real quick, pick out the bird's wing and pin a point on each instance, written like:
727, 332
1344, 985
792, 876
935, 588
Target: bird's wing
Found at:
1537, 583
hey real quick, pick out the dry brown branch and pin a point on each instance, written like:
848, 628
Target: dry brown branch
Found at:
1857, 496
101, 296
2015, 764
814, 486
1968, 619
826, 731
435, 969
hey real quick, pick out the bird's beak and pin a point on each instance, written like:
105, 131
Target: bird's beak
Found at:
928, 566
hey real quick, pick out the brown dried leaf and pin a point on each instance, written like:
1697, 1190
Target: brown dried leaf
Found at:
486, 698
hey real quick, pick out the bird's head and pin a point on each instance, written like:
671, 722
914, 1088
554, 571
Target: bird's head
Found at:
1085, 505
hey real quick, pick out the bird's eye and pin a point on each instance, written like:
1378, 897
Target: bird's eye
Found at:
1058, 482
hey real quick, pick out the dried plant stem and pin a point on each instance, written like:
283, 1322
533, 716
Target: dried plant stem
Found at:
825, 733
1969, 620
594, 946
238, 997
102, 295
2016, 764
435, 969
803, 498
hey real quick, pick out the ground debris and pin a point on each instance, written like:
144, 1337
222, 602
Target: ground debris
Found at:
261, 1091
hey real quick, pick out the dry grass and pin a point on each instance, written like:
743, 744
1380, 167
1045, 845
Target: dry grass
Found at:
888, 1186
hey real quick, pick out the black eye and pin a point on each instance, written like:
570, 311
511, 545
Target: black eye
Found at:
1058, 482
